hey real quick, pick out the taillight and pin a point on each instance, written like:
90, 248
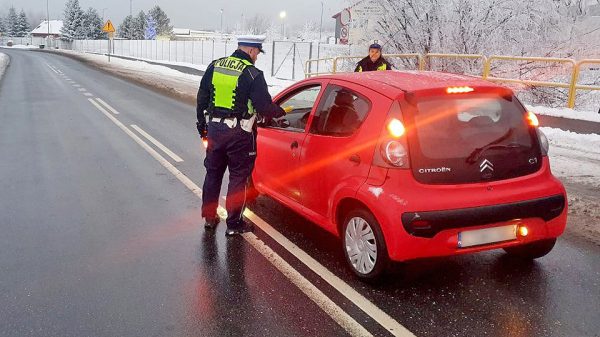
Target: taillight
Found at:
393, 148
396, 128
458, 90
532, 119
395, 153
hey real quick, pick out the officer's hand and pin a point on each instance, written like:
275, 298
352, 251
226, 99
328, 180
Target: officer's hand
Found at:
288, 109
201, 128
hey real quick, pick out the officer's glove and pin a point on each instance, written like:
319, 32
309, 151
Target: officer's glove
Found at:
288, 109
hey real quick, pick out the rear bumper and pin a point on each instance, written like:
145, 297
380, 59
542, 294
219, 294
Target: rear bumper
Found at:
428, 224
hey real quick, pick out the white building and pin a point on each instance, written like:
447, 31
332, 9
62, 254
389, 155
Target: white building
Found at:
357, 23
42, 30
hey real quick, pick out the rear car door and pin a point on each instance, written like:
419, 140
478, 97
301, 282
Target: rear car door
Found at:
280, 141
338, 150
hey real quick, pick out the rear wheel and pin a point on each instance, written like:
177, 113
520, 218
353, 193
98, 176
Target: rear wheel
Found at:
364, 245
532, 250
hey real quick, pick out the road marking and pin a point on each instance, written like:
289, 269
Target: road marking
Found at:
157, 143
49, 66
178, 174
342, 287
76, 85
87, 94
309, 289
369, 308
82, 89
110, 108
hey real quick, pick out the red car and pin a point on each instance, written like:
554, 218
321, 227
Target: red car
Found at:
406, 165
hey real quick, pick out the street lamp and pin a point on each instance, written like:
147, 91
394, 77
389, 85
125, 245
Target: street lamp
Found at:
319, 43
221, 20
282, 15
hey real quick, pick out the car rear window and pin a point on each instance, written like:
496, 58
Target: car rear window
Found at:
454, 135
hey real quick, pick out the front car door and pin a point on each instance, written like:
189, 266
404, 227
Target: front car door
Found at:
279, 143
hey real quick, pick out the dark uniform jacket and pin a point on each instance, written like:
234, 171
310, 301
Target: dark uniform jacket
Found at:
251, 85
367, 65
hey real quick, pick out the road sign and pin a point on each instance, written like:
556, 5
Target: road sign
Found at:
108, 27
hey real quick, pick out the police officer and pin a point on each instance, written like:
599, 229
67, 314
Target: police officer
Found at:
232, 92
374, 61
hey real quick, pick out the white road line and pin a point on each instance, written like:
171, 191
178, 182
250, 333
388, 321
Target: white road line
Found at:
178, 174
76, 85
49, 66
336, 313
87, 94
157, 143
110, 108
82, 89
359, 300
309, 289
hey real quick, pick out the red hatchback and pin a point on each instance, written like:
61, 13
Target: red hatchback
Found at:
406, 165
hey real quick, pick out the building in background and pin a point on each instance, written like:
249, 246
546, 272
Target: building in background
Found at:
358, 23
42, 29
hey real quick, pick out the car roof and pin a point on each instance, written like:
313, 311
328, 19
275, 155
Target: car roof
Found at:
392, 83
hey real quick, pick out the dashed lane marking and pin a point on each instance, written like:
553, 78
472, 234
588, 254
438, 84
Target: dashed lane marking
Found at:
106, 105
51, 67
87, 94
82, 89
158, 144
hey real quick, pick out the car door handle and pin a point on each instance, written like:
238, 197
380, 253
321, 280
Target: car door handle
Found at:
294, 145
355, 159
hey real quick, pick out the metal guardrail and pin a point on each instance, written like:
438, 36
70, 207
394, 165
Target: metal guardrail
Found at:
423, 60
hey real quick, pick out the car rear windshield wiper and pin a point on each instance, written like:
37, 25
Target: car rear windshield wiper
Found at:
476, 154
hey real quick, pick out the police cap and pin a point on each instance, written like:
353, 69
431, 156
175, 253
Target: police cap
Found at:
255, 41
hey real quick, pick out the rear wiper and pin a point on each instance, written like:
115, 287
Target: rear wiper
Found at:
495, 144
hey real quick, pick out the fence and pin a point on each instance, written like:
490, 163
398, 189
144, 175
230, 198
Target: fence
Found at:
530, 72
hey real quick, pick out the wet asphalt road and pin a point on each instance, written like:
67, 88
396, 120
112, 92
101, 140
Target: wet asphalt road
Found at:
99, 239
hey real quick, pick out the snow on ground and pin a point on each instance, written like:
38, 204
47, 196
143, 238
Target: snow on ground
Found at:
592, 116
574, 158
3, 63
20, 46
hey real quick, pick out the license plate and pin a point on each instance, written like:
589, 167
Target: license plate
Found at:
487, 235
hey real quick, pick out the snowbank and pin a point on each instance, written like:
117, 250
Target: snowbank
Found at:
20, 46
591, 116
4, 60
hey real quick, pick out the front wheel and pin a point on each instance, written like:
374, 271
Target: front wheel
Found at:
364, 245
532, 250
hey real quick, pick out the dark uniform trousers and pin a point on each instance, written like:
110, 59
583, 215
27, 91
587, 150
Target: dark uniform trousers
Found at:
236, 149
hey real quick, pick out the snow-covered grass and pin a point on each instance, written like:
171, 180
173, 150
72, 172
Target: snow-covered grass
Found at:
20, 46
3, 64
591, 116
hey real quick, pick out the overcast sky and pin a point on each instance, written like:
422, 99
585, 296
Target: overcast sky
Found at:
193, 13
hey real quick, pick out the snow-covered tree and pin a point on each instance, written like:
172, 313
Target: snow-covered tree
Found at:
2, 26
92, 25
23, 27
125, 29
257, 25
150, 33
72, 28
139, 26
309, 31
12, 21
163, 27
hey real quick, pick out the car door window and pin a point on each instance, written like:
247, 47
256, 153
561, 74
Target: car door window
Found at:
340, 113
301, 103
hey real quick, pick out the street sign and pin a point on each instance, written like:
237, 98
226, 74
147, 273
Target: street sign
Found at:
108, 27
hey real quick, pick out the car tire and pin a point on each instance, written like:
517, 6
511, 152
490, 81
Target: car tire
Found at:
366, 252
532, 250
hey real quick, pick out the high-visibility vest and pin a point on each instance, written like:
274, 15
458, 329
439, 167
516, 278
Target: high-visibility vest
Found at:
227, 72
381, 67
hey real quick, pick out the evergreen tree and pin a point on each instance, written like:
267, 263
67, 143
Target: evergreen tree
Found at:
126, 28
92, 25
12, 20
3, 30
73, 21
162, 22
150, 33
139, 26
23, 27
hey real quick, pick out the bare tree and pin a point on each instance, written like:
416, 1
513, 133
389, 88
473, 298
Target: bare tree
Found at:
258, 24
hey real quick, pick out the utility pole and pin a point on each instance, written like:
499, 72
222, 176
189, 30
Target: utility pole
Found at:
221, 31
103, 9
48, 21
131, 7
320, 32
